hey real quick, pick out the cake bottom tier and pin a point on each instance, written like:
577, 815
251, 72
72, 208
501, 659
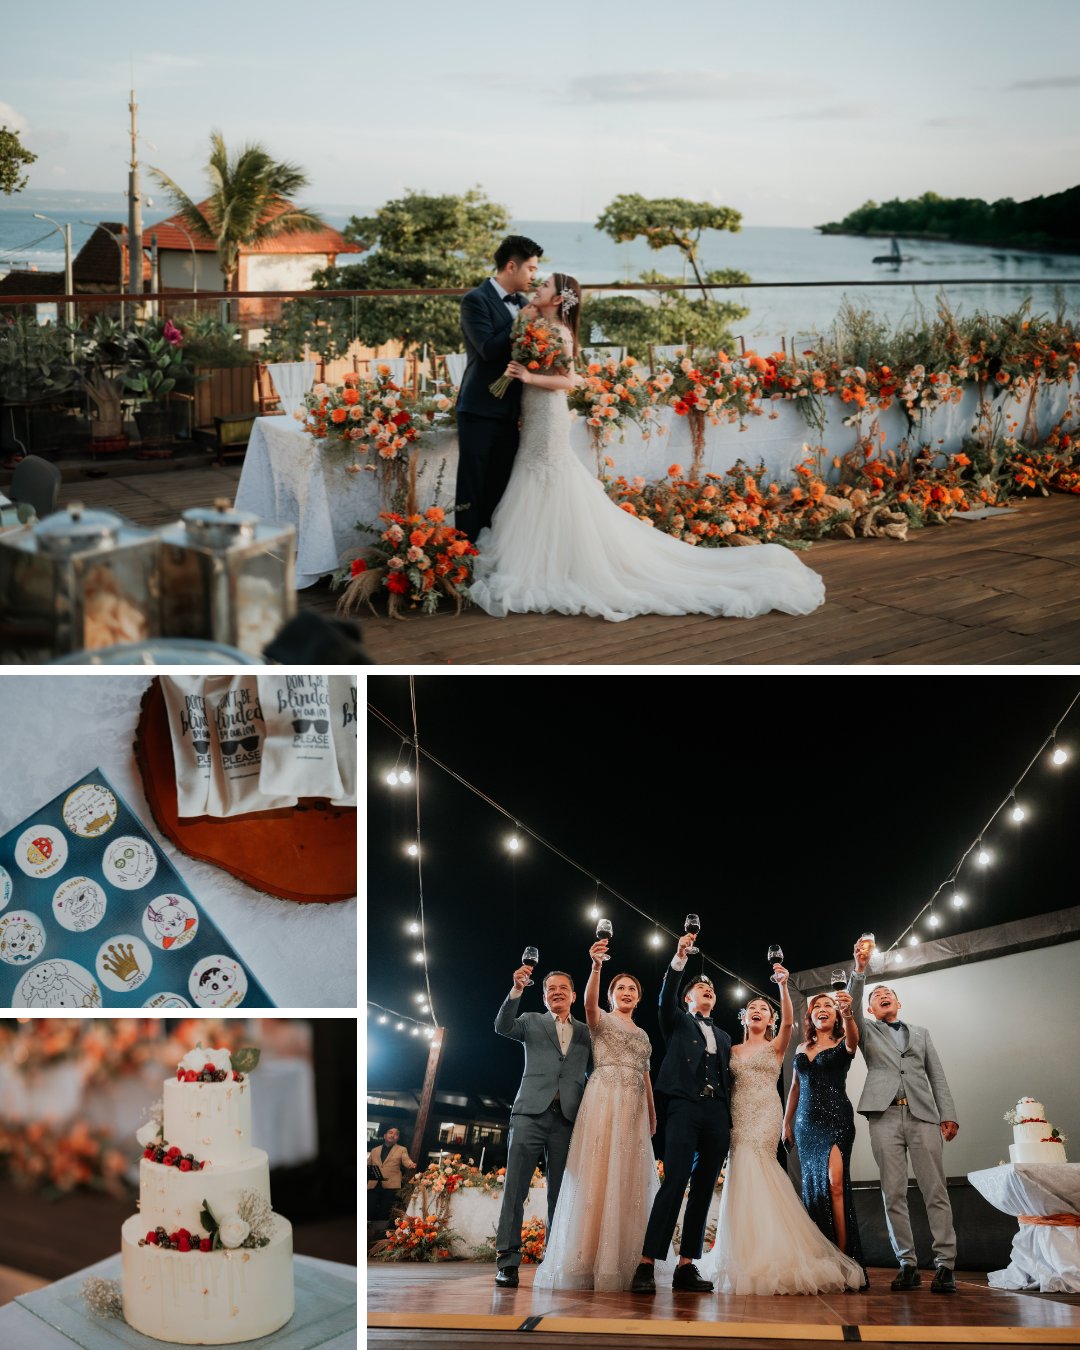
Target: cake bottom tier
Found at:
1036, 1153
207, 1298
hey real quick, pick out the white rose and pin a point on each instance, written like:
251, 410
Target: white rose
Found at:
197, 1059
148, 1133
232, 1230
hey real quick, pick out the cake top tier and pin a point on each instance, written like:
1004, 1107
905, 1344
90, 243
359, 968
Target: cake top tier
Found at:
207, 1106
1027, 1108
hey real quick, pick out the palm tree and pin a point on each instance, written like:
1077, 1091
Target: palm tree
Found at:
248, 203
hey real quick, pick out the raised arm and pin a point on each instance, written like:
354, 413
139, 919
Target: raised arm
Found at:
669, 991
508, 1020
592, 989
846, 1004
856, 987
787, 1016
491, 340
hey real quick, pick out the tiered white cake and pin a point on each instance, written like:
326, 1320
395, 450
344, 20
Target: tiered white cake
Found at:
205, 1261
1034, 1139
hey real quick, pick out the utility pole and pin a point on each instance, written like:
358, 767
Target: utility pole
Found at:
134, 213
427, 1095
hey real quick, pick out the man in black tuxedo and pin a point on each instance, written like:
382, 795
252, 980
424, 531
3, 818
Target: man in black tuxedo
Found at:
488, 426
693, 1086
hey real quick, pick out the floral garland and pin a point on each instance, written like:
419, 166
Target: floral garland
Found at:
59, 1161
367, 419
612, 394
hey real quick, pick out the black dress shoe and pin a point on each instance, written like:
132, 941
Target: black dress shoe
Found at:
687, 1280
944, 1281
507, 1278
643, 1282
908, 1278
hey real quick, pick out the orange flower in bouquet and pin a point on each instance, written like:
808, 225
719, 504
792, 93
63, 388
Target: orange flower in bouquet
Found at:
537, 345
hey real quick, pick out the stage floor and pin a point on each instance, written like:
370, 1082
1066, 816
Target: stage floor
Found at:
451, 1306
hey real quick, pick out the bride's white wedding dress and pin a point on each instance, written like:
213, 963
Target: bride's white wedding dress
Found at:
766, 1243
558, 542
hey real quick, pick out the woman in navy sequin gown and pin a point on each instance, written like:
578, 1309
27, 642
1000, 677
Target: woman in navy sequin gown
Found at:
820, 1121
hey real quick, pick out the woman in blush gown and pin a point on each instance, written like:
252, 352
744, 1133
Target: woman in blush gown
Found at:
558, 542
610, 1178
766, 1243
821, 1122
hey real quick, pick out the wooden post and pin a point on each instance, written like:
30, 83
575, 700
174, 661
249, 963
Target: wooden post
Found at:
427, 1096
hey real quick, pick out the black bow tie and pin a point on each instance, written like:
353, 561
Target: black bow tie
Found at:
894, 1026
705, 1021
514, 300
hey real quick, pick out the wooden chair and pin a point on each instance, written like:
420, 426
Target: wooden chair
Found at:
269, 403
602, 354
665, 353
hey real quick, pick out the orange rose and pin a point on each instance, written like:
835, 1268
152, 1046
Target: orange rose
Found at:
338, 415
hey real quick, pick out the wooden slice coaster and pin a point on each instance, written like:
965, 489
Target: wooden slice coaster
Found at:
305, 852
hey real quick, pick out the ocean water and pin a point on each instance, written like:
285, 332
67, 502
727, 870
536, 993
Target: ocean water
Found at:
766, 253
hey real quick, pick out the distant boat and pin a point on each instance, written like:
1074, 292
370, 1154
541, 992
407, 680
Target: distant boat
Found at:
895, 256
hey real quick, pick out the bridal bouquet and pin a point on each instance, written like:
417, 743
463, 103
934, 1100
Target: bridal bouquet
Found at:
537, 345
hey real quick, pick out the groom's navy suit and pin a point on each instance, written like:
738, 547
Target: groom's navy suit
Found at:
697, 1125
487, 426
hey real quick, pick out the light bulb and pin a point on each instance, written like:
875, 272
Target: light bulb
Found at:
513, 843
594, 913
416, 1031
983, 857
740, 992
383, 1020
424, 1007
933, 921
412, 850
898, 958
392, 778
958, 901
655, 939
413, 927
1018, 813
419, 998
399, 1026
405, 776
913, 940
1059, 756
429, 1032
418, 956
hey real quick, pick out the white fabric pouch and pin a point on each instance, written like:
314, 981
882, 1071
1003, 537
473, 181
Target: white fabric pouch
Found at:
191, 741
238, 729
299, 755
343, 724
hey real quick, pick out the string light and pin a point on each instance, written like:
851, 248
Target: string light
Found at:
513, 843
740, 992
655, 939
958, 900
1018, 812
401, 1020
405, 776
399, 1026
392, 778
913, 940
418, 955
898, 958
382, 1020
1059, 755
933, 921
416, 1031
419, 998
412, 927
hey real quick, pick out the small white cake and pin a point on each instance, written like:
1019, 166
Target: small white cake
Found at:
1034, 1139
206, 1261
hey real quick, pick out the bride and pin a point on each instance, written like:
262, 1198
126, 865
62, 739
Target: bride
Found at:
766, 1243
558, 542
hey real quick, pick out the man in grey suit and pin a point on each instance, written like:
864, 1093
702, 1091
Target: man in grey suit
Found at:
557, 1053
909, 1108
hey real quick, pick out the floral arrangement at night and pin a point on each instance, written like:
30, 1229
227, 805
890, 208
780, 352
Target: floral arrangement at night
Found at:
372, 420
416, 1237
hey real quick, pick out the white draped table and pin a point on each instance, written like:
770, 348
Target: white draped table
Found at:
1045, 1257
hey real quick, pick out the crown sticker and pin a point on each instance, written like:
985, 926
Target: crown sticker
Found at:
123, 963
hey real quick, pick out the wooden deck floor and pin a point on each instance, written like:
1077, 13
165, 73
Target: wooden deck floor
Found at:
1003, 591
458, 1308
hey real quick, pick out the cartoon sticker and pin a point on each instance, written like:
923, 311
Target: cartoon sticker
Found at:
217, 982
90, 811
166, 1001
123, 963
5, 887
170, 920
22, 937
41, 850
129, 862
57, 984
79, 904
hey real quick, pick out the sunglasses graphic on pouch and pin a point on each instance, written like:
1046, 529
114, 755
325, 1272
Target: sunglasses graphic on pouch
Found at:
201, 747
319, 724
249, 743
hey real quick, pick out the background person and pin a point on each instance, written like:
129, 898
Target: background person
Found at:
393, 1161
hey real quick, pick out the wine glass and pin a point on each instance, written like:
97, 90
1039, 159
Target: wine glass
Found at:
776, 953
530, 957
603, 930
838, 980
692, 925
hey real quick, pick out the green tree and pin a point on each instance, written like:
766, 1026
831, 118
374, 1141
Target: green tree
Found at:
667, 222
416, 241
249, 202
14, 156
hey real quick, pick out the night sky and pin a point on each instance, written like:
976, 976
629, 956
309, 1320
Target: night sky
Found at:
792, 809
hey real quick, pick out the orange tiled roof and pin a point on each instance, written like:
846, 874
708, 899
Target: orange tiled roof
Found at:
327, 240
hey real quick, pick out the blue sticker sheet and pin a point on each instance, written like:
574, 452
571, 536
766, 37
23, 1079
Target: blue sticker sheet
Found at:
94, 915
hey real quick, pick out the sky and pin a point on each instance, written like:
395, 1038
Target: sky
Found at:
792, 809
792, 114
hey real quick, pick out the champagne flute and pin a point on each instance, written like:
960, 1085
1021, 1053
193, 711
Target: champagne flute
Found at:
838, 980
530, 957
873, 956
692, 925
775, 954
603, 930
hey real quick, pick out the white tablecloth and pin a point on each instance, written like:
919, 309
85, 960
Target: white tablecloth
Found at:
1043, 1257
21, 1330
59, 728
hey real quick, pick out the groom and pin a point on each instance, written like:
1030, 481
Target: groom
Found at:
488, 426
693, 1082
